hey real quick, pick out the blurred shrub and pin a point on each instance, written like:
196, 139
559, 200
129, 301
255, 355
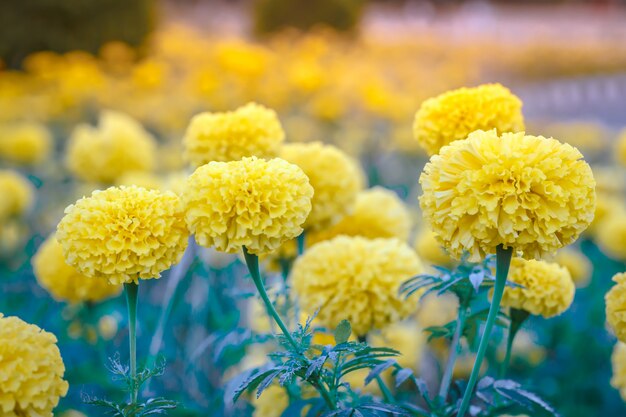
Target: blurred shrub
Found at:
64, 25
272, 15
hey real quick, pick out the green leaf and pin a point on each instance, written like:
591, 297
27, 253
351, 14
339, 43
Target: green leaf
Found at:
343, 332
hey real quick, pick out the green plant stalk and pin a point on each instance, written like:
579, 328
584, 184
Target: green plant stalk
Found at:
301, 242
454, 351
131, 291
252, 261
387, 395
503, 262
518, 317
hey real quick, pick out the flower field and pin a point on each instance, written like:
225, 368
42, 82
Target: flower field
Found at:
313, 223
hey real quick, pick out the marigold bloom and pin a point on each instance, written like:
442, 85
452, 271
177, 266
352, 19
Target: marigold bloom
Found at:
378, 212
615, 301
31, 370
124, 234
272, 402
455, 114
17, 194
430, 250
25, 143
546, 288
357, 279
251, 130
118, 145
611, 234
64, 282
530, 193
618, 362
254, 203
578, 265
406, 338
335, 177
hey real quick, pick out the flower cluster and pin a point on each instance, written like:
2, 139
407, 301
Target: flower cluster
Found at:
118, 145
455, 114
544, 288
31, 370
17, 194
526, 192
124, 234
254, 203
251, 130
615, 301
357, 279
64, 282
335, 177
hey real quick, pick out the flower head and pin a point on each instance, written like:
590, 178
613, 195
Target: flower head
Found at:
378, 212
31, 370
406, 338
530, 193
455, 114
611, 234
117, 146
578, 265
25, 143
251, 130
545, 288
254, 203
124, 234
357, 279
335, 177
618, 362
272, 402
63, 282
17, 194
615, 301
430, 250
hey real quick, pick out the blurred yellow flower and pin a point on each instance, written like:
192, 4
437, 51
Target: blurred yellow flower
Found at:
141, 179
406, 338
64, 282
526, 192
378, 212
17, 193
124, 234
335, 177
31, 370
437, 310
618, 362
615, 301
25, 143
254, 203
611, 234
430, 250
546, 288
578, 265
357, 279
272, 402
251, 130
107, 327
118, 145
620, 148
455, 114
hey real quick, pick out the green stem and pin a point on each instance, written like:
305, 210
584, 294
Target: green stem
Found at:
131, 291
326, 396
518, 317
301, 240
252, 261
503, 261
387, 395
454, 351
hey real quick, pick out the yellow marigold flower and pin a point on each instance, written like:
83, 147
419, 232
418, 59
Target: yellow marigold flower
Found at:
578, 265
25, 143
118, 145
31, 370
378, 212
611, 235
251, 130
335, 177
407, 339
430, 250
615, 301
107, 326
64, 282
272, 402
530, 193
357, 279
17, 194
546, 288
254, 203
455, 114
124, 234
607, 206
437, 310
618, 362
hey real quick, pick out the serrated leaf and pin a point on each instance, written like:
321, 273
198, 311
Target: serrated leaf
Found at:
387, 408
402, 375
315, 366
378, 369
342, 332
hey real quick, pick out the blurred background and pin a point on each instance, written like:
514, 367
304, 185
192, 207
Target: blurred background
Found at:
347, 72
